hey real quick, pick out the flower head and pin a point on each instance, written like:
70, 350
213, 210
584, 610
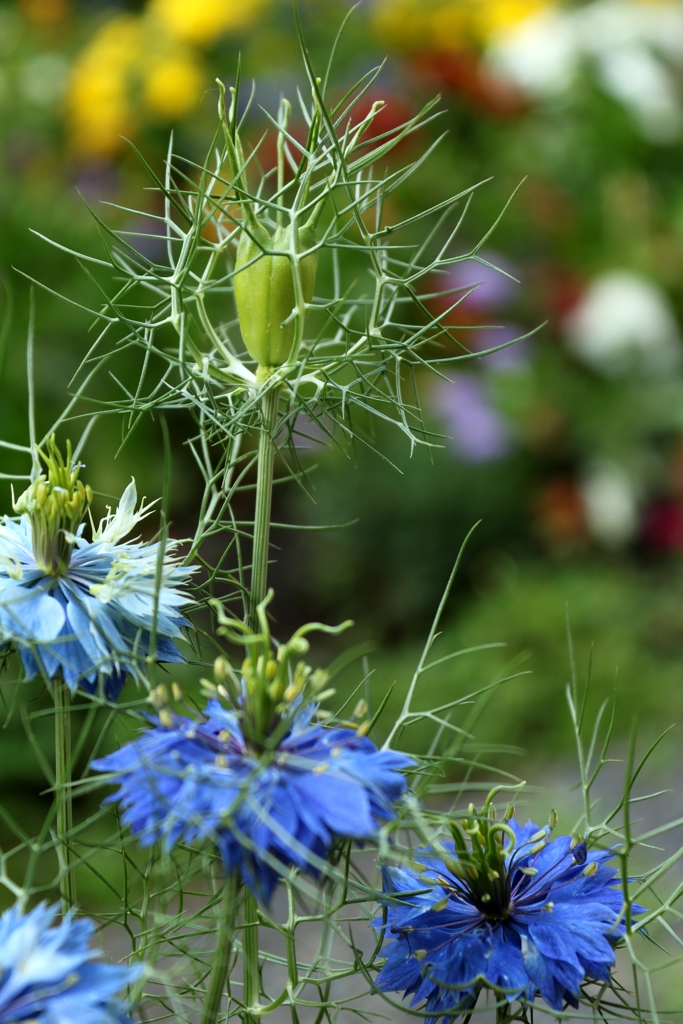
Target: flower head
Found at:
518, 913
267, 810
84, 608
47, 973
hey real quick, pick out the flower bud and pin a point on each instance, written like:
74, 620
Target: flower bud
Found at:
265, 294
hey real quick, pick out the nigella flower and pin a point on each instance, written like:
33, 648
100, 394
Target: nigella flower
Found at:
518, 913
267, 810
48, 973
84, 608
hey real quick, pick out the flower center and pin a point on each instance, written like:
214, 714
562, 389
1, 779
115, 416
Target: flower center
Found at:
481, 872
55, 502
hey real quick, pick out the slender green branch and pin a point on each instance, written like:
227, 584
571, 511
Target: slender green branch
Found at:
224, 941
67, 881
264, 496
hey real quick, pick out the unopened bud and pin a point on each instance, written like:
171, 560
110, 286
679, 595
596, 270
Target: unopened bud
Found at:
591, 869
265, 293
177, 692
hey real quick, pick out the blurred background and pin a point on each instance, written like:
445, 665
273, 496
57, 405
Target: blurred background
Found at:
568, 446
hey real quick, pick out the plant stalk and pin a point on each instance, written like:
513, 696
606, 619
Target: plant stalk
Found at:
503, 1013
221, 956
264, 500
259, 582
67, 881
250, 952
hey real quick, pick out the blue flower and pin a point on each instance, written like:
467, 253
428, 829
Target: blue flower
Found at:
47, 973
267, 812
91, 616
542, 921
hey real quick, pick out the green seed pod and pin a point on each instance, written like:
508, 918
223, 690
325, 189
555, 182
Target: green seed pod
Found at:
264, 292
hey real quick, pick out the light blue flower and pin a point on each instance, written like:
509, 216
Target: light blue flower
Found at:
48, 973
520, 914
88, 613
269, 811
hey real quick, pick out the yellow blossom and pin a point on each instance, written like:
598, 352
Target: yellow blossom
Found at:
449, 24
202, 21
98, 108
497, 17
172, 84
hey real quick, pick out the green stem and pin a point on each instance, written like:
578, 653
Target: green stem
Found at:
292, 964
250, 951
221, 956
264, 497
503, 1013
67, 881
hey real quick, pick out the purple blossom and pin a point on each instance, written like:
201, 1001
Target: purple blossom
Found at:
477, 430
491, 288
